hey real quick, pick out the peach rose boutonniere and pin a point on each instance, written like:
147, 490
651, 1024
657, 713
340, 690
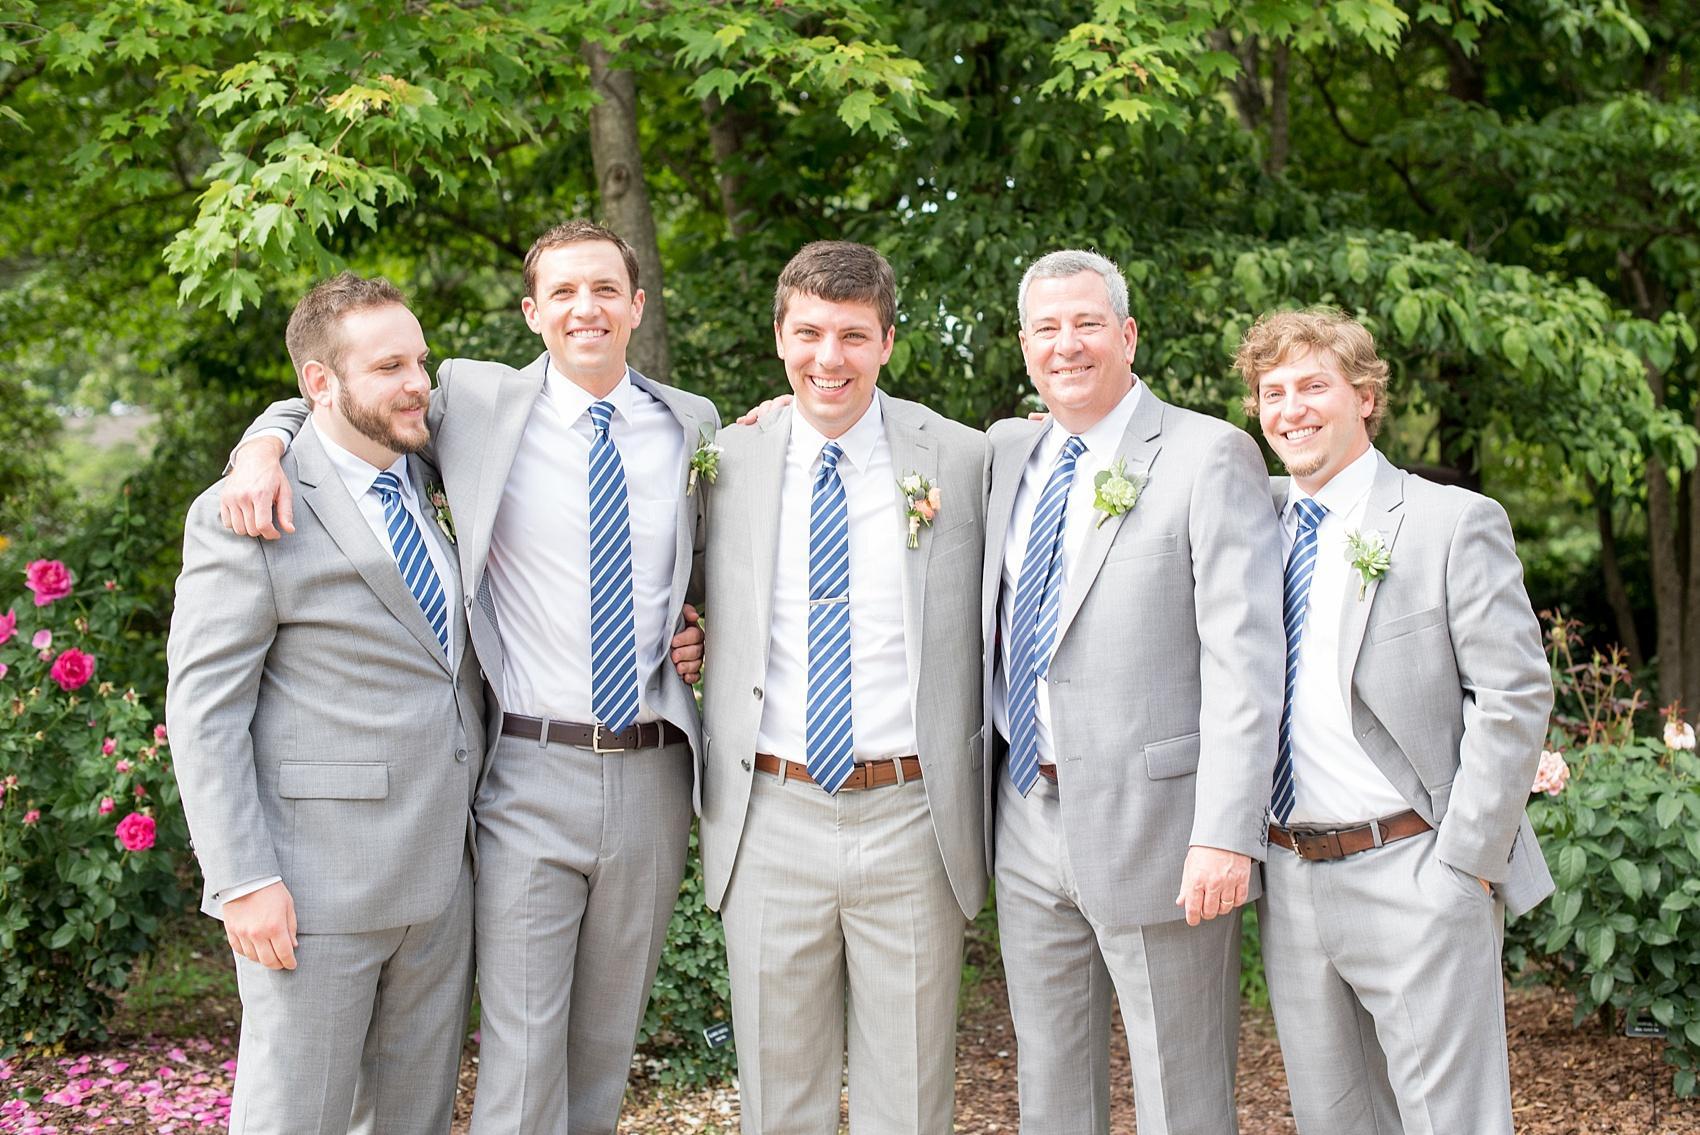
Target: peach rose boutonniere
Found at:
921, 502
439, 501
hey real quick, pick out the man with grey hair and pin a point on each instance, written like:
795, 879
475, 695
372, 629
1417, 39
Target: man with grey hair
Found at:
1132, 598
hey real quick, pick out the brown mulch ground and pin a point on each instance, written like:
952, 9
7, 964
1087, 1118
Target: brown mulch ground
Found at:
167, 1071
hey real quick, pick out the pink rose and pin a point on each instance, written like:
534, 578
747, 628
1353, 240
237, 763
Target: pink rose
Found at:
1552, 775
72, 669
159, 732
123, 765
8, 625
141, 791
31, 816
42, 640
112, 585
109, 746
4, 669
926, 510
49, 579
135, 831
106, 805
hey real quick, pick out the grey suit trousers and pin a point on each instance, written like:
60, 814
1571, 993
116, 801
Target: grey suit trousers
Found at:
580, 855
365, 1034
1384, 975
1177, 985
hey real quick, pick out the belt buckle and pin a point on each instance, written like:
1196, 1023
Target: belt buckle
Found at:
596, 745
1317, 845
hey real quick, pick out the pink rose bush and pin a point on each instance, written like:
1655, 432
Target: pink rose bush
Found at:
49, 579
88, 789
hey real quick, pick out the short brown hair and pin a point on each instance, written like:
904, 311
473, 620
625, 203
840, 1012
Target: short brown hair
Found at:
839, 271
315, 326
1278, 337
575, 232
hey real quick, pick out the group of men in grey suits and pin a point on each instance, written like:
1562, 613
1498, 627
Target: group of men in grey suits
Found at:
1050, 656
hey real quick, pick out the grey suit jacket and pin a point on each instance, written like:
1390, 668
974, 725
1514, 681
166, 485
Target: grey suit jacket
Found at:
318, 732
1166, 677
477, 417
941, 630
1443, 667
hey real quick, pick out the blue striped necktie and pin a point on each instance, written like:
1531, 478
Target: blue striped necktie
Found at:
613, 636
828, 738
1034, 626
1295, 601
412, 557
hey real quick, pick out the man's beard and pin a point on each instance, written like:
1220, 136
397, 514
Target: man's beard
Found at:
373, 423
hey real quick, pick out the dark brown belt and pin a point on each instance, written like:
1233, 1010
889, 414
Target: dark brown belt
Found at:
868, 774
644, 735
1341, 842
1049, 772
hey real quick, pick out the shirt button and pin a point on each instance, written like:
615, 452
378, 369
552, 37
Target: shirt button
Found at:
757, 693
746, 764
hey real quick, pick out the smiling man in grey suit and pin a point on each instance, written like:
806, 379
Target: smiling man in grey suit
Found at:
325, 715
1417, 701
841, 823
1132, 593
568, 483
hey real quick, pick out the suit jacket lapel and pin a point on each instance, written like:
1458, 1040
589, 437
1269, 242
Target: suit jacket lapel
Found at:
691, 427
911, 452
767, 475
506, 407
324, 492
1138, 452
1384, 513
1009, 462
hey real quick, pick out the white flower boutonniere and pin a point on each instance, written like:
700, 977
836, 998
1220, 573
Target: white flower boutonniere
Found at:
921, 501
1368, 554
439, 501
1114, 492
705, 463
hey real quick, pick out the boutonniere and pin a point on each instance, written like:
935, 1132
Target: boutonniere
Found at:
921, 499
1114, 492
440, 504
705, 463
1368, 554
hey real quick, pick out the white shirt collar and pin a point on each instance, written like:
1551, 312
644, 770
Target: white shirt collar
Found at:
857, 442
571, 400
1105, 438
358, 474
1344, 489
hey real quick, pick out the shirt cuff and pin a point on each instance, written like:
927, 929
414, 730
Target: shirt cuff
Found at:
231, 894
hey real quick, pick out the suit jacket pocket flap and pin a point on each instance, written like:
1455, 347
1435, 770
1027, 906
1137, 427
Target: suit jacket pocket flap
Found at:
313, 780
1143, 546
1175, 757
1406, 624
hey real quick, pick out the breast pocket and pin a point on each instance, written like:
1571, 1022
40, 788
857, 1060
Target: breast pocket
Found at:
1408, 624
1143, 547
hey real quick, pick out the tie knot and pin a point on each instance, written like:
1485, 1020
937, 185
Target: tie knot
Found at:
601, 413
1310, 513
1072, 448
387, 485
829, 455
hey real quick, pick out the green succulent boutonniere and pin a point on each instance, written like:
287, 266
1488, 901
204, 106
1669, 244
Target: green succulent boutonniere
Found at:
439, 501
705, 463
1115, 492
1369, 556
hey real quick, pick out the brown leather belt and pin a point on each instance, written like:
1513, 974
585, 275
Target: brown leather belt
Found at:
644, 735
1341, 842
867, 774
1049, 772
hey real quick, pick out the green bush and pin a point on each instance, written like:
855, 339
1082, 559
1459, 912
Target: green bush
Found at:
91, 833
1623, 930
692, 992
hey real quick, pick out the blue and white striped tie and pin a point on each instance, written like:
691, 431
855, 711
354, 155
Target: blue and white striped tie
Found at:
412, 557
613, 636
1034, 626
828, 739
1295, 601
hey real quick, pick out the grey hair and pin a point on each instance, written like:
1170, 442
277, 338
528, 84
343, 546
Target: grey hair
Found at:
1068, 262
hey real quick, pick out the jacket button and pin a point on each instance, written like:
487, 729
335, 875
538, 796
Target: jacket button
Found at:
757, 693
746, 764
466, 601
460, 755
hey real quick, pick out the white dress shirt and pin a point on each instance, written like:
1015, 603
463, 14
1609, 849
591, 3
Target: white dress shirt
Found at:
539, 569
882, 718
1102, 442
1334, 780
358, 476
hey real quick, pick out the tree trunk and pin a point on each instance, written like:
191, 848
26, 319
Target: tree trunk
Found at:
725, 137
1278, 143
1617, 595
625, 201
